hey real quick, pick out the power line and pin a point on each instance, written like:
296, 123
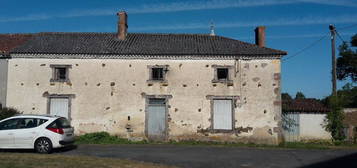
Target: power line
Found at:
339, 36
305, 48
347, 27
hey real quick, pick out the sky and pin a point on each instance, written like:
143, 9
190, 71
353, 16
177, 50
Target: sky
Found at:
299, 27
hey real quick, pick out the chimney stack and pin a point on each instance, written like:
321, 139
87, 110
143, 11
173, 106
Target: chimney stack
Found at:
260, 36
122, 25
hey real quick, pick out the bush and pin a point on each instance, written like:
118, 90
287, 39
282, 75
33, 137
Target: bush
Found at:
334, 119
104, 138
7, 112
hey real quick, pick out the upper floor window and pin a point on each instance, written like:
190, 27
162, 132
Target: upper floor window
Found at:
60, 73
157, 72
222, 73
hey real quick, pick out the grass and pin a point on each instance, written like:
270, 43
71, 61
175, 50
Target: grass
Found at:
105, 138
21, 160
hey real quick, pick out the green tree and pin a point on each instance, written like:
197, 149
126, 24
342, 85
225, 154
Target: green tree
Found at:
334, 119
8, 112
286, 97
347, 62
299, 95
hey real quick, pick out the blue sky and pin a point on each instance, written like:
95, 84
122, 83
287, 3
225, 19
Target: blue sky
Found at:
291, 26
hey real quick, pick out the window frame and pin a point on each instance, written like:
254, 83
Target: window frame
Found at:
229, 74
55, 76
164, 73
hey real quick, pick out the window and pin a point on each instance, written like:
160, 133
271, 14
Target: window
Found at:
222, 74
60, 123
157, 73
30, 123
60, 73
9, 124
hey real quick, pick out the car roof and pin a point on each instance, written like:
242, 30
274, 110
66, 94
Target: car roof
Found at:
43, 116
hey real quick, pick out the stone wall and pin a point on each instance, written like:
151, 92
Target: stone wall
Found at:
108, 91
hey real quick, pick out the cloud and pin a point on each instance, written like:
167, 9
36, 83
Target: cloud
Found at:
271, 22
25, 18
348, 3
176, 7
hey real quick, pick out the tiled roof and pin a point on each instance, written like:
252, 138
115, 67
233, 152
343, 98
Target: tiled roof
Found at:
10, 41
304, 105
141, 44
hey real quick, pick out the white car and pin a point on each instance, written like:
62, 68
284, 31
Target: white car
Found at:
39, 132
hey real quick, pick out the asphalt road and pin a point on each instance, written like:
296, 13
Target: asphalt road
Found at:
221, 157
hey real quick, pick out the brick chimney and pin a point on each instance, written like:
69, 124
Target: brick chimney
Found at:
122, 25
260, 36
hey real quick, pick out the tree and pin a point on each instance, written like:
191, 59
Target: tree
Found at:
347, 62
286, 97
8, 112
299, 95
334, 119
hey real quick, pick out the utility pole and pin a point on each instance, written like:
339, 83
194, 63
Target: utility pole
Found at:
334, 76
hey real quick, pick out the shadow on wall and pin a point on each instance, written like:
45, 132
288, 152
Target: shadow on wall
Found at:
348, 161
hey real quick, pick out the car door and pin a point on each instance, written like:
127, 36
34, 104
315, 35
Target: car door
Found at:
26, 132
7, 131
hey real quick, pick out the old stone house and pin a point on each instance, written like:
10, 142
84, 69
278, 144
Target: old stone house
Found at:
149, 86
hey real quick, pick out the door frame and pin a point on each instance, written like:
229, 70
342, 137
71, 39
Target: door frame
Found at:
66, 96
166, 97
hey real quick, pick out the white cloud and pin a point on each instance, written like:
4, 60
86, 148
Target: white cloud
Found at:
348, 3
177, 7
25, 18
272, 22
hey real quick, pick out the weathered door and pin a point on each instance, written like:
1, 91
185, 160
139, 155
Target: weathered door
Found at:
222, 114
156, 119
291, 126
59, 107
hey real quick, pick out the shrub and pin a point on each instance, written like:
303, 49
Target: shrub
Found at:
334, 119
7, 112
104, 138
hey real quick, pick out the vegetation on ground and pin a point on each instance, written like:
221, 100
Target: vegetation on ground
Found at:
105, 138
28, 160
7, 112
334, 119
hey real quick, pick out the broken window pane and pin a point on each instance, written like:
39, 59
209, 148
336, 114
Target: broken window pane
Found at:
222, 73
157, 74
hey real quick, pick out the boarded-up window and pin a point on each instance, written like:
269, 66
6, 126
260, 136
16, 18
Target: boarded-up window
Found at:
222, 115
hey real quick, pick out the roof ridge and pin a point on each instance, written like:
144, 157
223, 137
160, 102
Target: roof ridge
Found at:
16, 34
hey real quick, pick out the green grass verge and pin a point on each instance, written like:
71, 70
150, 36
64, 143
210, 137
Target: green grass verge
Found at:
27, 160
106, 138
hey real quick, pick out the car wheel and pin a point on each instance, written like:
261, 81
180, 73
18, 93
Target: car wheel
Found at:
43, 145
